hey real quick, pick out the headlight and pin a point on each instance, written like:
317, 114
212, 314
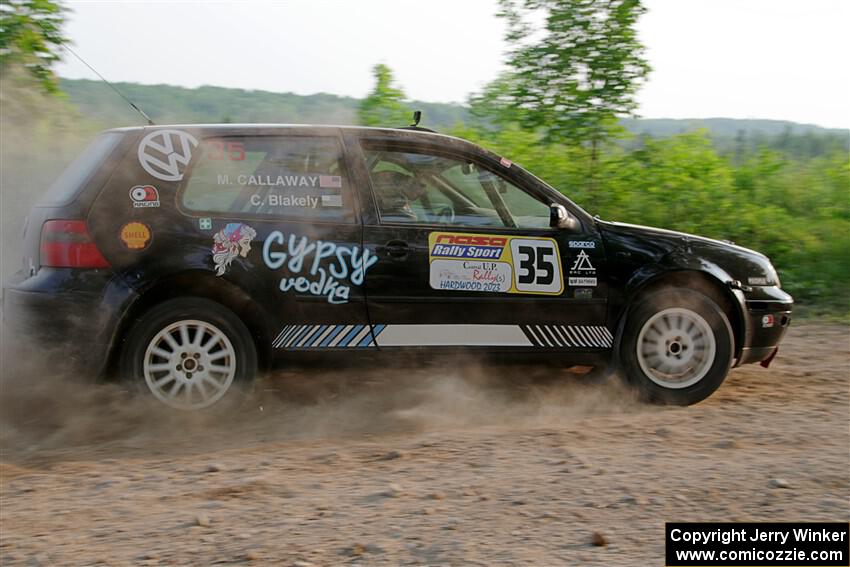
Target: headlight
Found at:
770, 277
773, 274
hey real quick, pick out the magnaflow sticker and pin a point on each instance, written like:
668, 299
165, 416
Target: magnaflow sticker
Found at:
494, 263
166, 153
144, 196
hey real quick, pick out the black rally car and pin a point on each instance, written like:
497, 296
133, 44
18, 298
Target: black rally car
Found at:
188, 257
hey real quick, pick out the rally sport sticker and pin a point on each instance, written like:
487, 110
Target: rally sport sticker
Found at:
492, 263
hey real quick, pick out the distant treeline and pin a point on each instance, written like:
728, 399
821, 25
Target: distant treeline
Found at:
174, 105
169, 105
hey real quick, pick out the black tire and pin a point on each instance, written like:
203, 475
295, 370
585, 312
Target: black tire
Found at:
229, 342
693, 351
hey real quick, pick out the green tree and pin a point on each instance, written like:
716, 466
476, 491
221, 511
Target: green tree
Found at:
574, 67
31, 37
385, 104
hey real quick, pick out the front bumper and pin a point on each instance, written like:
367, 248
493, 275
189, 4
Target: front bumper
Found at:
68, 317
768, 315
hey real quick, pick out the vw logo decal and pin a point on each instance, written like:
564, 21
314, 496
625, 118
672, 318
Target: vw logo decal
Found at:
165, 153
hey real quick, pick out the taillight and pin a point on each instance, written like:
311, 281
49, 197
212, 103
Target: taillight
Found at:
68, 244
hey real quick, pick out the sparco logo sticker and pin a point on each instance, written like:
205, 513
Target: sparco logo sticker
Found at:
496, 264
165, 153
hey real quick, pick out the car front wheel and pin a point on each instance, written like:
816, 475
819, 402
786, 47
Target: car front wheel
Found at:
677, 346
190, 354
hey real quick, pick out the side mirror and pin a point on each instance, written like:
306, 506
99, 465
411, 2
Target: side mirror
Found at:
560, 217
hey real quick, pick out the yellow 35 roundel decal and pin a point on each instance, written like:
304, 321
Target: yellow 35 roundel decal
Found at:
494, 263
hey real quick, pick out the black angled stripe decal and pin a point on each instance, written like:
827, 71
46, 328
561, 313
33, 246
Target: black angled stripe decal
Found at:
530, 335
552, 337
568, 336
562, 335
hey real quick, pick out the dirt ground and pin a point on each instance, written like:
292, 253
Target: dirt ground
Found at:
466, 465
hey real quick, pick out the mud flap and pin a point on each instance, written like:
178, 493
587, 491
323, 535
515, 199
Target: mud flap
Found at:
766, 362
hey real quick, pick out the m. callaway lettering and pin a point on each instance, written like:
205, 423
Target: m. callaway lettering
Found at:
315, 181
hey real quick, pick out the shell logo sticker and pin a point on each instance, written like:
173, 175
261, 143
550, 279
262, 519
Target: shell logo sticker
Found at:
135, 235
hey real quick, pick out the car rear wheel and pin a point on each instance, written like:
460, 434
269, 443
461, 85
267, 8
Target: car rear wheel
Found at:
677, 346
190, 354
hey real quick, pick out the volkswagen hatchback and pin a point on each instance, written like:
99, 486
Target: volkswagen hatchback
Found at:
189, 258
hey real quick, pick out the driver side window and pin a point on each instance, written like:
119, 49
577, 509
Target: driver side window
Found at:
420, 188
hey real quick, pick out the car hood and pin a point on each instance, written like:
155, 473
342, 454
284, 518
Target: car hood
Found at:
664, 233
688, 250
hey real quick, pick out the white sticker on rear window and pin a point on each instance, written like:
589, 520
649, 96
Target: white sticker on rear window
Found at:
166, 153
331, 200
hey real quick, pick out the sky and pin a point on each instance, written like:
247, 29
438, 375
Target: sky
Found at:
775, 59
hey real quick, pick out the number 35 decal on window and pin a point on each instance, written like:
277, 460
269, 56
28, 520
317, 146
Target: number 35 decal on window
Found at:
218, 150
494, 263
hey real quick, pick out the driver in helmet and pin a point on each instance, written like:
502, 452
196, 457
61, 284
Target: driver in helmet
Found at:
395, 192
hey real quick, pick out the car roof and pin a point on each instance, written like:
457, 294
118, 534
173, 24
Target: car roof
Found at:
270, 126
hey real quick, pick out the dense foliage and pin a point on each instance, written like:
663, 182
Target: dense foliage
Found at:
31, 38
574, 67
386, 103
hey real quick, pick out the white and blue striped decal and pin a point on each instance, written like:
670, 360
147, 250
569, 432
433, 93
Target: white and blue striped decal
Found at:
325, 336
569, 336
360, 336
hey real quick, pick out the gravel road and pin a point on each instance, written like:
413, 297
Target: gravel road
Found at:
420, 466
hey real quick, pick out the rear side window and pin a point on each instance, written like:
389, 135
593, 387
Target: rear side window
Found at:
291, 177
77, 175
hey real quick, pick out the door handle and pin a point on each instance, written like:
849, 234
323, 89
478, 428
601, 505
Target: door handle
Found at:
396, 249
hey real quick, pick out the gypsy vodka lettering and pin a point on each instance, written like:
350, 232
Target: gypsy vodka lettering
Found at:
317, 267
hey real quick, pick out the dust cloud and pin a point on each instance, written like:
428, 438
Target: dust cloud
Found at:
40, 136
45, 413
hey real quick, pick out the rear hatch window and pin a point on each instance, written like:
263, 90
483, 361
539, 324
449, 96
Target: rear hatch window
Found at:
75, 177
